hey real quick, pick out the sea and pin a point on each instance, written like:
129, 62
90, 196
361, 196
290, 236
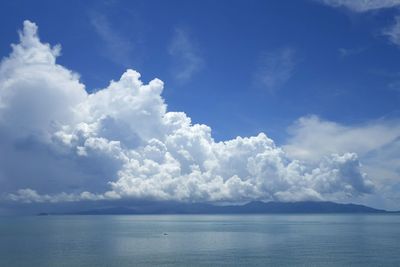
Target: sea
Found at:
201, 240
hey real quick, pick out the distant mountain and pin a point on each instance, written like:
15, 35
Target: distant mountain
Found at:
249, 208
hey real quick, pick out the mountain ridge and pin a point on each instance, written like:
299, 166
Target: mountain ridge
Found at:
255, 207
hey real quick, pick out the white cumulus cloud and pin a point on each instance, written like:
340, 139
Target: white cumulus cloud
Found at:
377, 144
61, 144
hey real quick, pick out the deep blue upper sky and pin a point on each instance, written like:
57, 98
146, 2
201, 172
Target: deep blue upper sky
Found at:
326, 61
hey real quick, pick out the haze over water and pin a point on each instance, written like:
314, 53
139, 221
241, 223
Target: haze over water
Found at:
201, 240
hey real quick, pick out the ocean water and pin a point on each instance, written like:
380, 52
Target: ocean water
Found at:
201, 240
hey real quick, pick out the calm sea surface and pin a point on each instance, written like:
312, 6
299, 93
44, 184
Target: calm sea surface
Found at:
201, 240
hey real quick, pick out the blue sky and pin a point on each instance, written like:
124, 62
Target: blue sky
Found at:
305, 73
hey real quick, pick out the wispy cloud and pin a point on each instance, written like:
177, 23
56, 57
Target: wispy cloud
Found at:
394, 85
313, 137
393, 32
392, 78
275, 69
119, 49
185, 56
362, 5
346, 52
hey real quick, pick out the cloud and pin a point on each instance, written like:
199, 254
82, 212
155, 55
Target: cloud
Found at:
119, 49
393, 32
362, 5
275, 69
61, 144
31, 196
311, 137
346, 52
394, 85
377, 143
186, 59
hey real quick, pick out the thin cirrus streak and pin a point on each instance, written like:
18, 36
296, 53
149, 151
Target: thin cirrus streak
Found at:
362, 5
62, 144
